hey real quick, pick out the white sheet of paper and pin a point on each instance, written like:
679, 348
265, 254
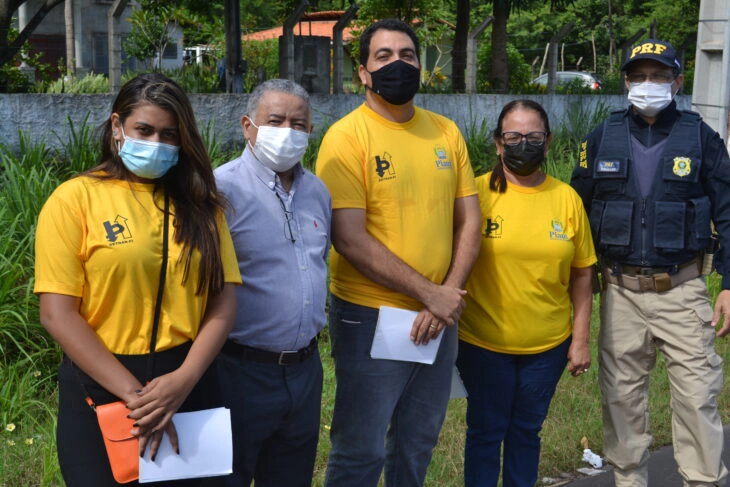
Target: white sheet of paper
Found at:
457, 385
206, 448
392, 338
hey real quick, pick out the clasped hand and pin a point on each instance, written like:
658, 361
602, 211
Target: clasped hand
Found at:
443, 308
153, 409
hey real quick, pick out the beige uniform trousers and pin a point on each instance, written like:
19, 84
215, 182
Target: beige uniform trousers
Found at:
676, 322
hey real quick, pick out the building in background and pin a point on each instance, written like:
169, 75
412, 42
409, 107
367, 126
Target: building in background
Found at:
91, 43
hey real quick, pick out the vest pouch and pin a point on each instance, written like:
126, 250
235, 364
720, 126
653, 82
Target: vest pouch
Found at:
669, 226
597, 207
699, 224
615, 226
610, 176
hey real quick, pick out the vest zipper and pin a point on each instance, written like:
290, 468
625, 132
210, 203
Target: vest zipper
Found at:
643, 231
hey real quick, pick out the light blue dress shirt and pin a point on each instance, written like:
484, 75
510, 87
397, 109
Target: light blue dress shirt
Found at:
283, 262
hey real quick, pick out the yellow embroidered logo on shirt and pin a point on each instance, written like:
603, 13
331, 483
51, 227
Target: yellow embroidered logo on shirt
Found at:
442, 158
558, 230
682, 166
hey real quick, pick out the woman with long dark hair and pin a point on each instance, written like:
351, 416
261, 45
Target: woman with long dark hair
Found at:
137, 243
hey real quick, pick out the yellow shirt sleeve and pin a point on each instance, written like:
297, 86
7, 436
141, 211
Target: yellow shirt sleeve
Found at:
231, 271
340, 165
59, 244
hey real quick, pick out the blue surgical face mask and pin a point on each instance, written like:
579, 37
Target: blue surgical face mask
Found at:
147, 159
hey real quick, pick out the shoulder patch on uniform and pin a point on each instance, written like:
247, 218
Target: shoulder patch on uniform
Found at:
609, 166
583, 162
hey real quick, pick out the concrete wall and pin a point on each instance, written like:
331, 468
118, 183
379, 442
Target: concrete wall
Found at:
45, 117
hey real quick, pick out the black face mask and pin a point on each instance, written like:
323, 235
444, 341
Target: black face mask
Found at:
523, 159
396, 82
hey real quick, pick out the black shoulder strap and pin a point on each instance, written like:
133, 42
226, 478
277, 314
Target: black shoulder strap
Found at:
158, 305
160, 291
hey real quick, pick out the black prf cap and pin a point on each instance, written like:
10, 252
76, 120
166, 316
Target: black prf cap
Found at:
656, 50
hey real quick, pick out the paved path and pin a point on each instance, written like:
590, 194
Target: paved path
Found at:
662, 469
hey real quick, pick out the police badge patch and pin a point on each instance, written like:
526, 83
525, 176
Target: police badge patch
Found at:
682, 166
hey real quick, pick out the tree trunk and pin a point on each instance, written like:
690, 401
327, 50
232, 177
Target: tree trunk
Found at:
9, 50
499, 77
68, 14
463, 8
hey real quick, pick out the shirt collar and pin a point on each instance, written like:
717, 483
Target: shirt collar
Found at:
266, 175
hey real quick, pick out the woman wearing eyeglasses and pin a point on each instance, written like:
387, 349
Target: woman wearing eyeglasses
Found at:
517, 333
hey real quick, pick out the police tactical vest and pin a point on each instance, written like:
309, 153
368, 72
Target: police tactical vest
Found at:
669, 226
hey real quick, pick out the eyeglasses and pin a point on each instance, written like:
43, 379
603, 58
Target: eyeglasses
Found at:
289, 215
652, 77
533, 138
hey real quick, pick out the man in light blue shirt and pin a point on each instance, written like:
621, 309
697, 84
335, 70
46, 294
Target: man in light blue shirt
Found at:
270, 371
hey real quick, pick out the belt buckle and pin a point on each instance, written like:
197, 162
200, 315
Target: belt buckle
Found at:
286, 353
646, 283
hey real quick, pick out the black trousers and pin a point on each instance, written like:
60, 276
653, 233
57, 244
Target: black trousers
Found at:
81, 452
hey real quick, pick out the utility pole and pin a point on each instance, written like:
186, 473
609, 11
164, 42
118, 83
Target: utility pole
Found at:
115, 44
471, 54
711, 90
337, 47
553, 54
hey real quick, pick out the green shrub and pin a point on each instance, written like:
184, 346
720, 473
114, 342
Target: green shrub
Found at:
519, 71
263, 62
91, 83
13, 80
196, 78
480, 144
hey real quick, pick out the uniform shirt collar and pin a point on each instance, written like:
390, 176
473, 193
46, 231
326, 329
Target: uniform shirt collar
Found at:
664, 119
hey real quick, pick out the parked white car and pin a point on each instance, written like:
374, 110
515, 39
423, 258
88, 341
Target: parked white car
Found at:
564, 77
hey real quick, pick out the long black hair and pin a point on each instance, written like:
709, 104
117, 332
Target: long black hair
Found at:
190, 183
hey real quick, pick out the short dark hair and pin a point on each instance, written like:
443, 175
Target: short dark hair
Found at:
387, 24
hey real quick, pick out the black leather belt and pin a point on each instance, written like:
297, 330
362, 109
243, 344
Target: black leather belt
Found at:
635, 270
287, 357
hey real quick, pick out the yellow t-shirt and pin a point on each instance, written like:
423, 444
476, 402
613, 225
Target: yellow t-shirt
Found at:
406, 177
101, 240
517, 298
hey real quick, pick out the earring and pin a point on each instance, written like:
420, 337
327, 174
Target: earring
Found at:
114, 133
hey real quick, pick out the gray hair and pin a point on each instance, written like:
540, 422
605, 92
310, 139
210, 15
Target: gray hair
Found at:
280, 85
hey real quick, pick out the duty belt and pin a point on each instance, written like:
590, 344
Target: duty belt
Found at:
658, 279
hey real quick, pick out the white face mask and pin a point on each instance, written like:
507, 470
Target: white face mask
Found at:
279, 148
650, 98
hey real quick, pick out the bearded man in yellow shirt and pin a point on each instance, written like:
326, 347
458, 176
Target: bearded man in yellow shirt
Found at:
405, 228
